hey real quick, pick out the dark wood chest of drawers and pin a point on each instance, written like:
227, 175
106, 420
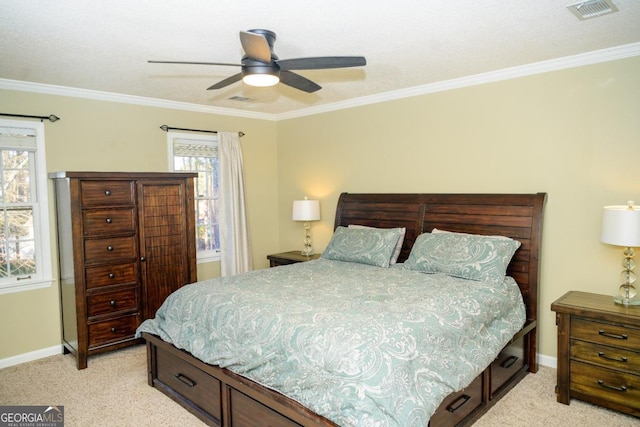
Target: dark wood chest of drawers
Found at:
126, 241
598, 351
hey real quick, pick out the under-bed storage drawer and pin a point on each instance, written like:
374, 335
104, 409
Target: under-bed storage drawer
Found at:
508, 363
456, 407
246, 412
189, 382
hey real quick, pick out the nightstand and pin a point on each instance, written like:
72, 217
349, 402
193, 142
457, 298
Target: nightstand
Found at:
290, 257
598, 351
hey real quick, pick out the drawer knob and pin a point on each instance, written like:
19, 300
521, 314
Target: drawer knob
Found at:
110, 248
113, 330
113, 303
458, 403
109, 220
610, 335
143, 258
185, 380
612, 387
615, 359
107, 192
112, 276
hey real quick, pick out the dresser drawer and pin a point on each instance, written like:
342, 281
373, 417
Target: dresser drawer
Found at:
108, 275
109, 331
105, 303
189, 382
108, 249
596, 383
247, 412
108, 221
608, 357
456, 407
508, 363
107, 193
605, 333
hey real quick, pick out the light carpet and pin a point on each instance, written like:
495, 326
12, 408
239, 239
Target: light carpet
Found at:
113, 391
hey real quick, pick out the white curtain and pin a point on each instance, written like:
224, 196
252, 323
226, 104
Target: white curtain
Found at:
235, 250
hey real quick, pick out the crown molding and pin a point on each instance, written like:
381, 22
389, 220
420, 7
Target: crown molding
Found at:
127, 99
594, 57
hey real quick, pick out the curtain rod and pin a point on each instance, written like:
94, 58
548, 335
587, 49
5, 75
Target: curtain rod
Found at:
52, 118
167, 129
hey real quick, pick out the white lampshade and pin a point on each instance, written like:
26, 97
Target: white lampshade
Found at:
306, 210
621, 225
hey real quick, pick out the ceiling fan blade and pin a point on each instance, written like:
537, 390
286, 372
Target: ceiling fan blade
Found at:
255, 46
226, 82
321, 62
297, 81
194, 63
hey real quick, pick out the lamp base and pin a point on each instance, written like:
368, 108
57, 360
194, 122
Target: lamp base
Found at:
619, 299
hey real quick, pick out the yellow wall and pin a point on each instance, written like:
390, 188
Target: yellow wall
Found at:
98, 135
574, 134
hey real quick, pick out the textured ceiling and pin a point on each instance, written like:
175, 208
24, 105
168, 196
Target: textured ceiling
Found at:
104, 45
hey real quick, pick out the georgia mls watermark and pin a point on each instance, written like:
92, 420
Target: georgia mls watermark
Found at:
32, 416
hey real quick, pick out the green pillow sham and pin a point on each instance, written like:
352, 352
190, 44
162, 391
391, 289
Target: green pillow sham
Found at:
372, 246
398, 248
469, 256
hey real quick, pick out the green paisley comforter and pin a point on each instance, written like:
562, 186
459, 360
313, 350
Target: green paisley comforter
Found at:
358, 344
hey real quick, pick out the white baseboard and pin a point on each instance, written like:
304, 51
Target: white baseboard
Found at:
548, 361
32, 355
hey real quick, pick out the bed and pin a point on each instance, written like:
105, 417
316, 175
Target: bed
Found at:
226, 396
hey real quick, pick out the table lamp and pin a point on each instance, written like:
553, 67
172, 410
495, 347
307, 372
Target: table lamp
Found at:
621, 227
306, 210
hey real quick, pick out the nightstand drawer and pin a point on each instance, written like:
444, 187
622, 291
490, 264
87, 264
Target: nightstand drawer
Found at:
606, 333
608, 357
596, 383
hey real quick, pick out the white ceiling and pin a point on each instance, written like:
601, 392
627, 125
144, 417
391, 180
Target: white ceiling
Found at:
104, 45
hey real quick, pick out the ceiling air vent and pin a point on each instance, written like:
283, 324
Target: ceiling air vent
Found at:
240, 98
592, 8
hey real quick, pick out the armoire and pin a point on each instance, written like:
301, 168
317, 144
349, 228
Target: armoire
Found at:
125, 242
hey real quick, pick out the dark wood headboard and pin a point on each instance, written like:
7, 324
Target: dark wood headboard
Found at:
518, 216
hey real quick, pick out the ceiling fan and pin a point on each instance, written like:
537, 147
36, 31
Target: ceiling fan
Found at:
262, 67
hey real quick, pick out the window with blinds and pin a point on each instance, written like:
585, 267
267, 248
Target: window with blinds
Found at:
25, 259
199, 153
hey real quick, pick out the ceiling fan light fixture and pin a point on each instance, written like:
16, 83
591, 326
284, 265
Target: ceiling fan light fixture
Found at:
260, 80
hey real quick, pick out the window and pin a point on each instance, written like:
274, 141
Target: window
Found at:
199, 153
25, 255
